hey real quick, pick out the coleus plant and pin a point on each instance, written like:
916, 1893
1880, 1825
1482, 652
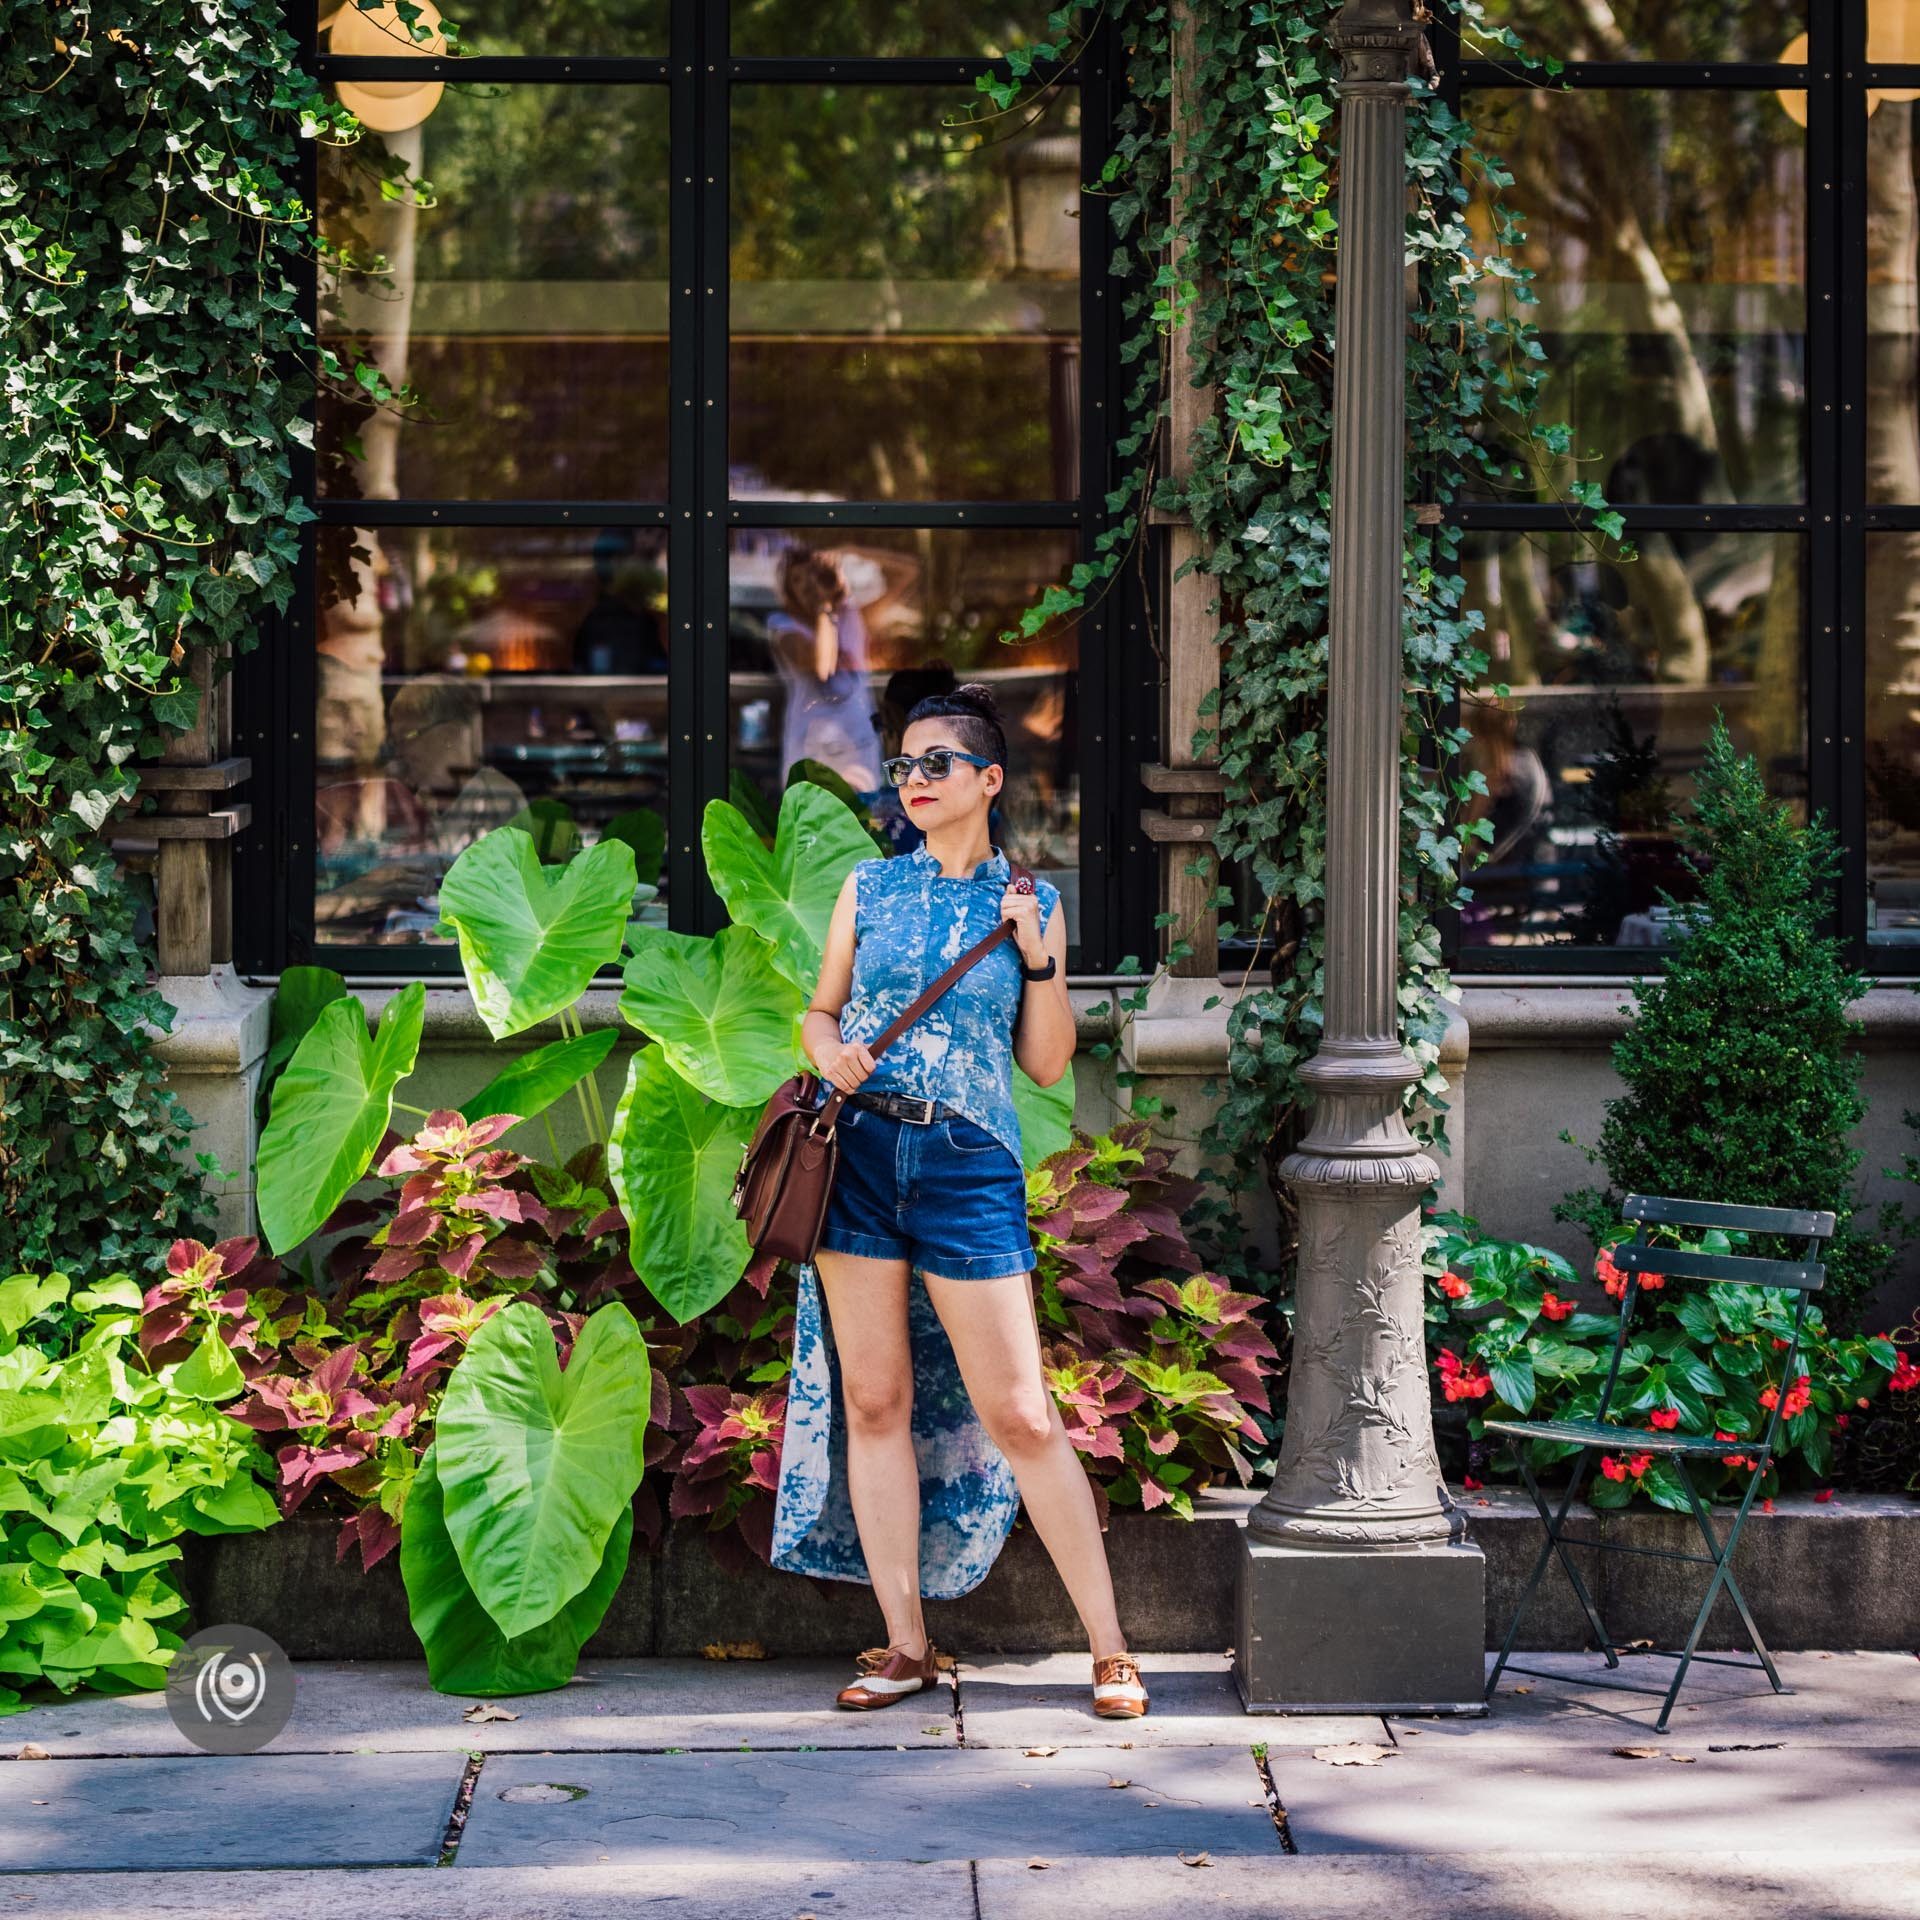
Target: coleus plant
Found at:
1509, 1338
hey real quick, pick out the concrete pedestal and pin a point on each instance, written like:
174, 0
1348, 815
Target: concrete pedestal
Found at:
213, 1059
1395, 1630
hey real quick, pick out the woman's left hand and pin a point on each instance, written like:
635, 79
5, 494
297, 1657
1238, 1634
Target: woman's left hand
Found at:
1023, 909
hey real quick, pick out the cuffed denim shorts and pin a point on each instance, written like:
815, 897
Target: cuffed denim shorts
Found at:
946, 1197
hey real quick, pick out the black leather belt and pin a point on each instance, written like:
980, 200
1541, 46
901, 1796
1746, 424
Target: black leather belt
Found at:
901, 1106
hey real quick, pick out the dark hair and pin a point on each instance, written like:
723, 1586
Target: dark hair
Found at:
976, 717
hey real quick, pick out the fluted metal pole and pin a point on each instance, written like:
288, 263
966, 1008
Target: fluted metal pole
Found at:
1360, 1588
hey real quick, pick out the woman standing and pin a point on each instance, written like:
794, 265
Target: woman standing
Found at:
930, 1188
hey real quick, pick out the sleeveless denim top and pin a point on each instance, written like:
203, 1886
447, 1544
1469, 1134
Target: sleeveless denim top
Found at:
910, 923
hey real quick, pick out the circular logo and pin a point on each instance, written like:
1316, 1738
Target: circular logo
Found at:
230, 1689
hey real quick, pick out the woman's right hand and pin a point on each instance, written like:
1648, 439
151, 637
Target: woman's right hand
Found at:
844, 1064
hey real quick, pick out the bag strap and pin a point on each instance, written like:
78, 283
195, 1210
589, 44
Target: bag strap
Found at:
1022, 882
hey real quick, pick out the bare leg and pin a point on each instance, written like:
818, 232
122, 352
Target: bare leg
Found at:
996, 1340
867, 1306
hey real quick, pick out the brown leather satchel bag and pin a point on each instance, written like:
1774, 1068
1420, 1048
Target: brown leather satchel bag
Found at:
786, 1173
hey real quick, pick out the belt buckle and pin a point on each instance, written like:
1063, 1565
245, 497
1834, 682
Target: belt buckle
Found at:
921, 1119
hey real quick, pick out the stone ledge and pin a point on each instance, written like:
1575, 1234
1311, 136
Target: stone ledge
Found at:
1504, 1017
1844, 1573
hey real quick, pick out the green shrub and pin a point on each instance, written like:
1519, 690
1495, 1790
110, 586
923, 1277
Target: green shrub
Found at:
1742, 1083
104, 1464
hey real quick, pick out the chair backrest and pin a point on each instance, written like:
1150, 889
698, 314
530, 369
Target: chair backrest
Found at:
1806, 1275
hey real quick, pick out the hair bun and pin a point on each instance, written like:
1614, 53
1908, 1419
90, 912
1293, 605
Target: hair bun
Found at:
975, 694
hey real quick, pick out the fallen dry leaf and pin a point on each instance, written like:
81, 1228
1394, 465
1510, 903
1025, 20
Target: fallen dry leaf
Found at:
943, 1662
1633, 1646
1355, 1753
1638, 1753
31, 1752
733, 1650
1149, 1803
1683, 1759
1195, 1860
484, 1710
1039, 1753
939, 1729
42, 1803
1116, 1781
1523, 1689
1036, 1863
1413, 1729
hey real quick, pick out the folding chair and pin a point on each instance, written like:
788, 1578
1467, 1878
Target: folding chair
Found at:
1635, 1257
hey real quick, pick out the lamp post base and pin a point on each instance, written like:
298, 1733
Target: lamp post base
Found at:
1395, 1629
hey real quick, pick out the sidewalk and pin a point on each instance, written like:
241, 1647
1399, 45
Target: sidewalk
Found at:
701, 1789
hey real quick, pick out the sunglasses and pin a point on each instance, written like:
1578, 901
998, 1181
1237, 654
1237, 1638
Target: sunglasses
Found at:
936, 763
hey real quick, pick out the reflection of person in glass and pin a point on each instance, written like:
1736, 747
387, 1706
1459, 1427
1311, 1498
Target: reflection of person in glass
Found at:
819, 645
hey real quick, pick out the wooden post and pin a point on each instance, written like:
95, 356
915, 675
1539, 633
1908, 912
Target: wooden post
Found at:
1188, 782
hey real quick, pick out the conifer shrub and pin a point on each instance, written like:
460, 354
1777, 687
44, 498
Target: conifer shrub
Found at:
1741, 1074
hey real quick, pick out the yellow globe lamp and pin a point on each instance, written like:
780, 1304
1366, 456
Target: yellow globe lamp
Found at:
386, 106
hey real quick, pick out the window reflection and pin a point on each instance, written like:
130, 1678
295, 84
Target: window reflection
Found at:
1893, 739
493, 28
521, 300
905, 298
1666, 235
1651, 29
1617, 669
1892, 422
875, 28
473, 677
832, 638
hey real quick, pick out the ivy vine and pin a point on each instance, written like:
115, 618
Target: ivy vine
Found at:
152, 363
1234, 237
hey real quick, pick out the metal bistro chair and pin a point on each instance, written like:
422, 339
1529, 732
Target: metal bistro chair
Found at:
1635, 1257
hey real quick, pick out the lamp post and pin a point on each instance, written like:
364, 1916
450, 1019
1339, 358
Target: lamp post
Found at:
1359, 1587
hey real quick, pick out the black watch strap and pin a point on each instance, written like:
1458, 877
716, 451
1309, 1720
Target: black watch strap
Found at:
1040, 973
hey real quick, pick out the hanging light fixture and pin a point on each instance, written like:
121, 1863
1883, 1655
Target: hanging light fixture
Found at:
386, 106
1893, 40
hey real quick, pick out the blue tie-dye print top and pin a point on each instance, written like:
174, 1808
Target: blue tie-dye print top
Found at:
911, 922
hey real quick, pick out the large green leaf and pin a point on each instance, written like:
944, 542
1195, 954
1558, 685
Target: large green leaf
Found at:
1046, 1115
673, 1157
726, 1021
300, 997
536, 1080
536, 1465
645, 831
329, 1111
532, 937
466, 1652
786, 894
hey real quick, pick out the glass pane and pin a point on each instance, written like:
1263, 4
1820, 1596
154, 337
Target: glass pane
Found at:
879, 27
469, 676
921, 611
1891, 428
525, 305
1893, 739
906, 299
1654, 29
1665, 231
1617, 669
632, 29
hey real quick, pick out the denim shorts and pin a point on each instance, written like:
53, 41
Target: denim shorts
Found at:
946, 1197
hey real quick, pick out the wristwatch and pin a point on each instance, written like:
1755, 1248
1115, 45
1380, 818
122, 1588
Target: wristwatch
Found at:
1039, 973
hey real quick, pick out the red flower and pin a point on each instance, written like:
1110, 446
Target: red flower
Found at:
1454, 1287
1609, 1275
1825, 1493
1906, 1376
1552, 1307
1664, 1418
1448, 1362
1471, 1484
1766, 1506
1613, 1468
1843, 1421
1639, 1463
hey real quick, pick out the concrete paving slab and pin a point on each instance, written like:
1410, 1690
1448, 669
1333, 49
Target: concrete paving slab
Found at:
1756, 1886
748, 1890
1450, 1798
388, 1707
1041, 1699
1838, 1699
720, 1808
215, 1812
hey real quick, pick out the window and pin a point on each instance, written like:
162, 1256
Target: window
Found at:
692, 323
1721, 213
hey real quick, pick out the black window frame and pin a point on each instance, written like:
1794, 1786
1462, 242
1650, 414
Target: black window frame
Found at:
275, 685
